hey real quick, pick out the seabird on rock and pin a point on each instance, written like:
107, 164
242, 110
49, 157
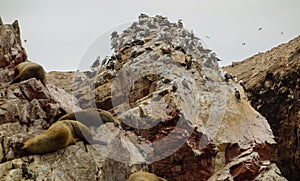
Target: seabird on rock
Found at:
104, 61
242, 84
235, 79
96, 62
180, 24
188, 61
149, 49
185, 84
114, 35
142, 16
227, 76
110, 65
237, 94
174, 86
206, 77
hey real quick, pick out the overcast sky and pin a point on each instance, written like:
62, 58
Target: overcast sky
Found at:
60, 33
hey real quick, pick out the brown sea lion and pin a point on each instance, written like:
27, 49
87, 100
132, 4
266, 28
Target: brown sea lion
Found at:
59, 135
90, 117
27, 70
145, 176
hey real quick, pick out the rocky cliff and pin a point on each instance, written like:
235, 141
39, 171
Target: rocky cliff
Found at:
179, 118
272, 82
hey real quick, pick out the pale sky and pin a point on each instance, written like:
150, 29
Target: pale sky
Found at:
60, 32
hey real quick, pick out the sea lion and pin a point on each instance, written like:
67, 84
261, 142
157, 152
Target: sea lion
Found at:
27, 70
90, 117
145, 176
59, 135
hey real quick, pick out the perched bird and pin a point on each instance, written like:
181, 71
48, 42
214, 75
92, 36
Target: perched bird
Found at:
174, 86
206, 77
185, 84
180, 24
113, 35
259, 29
227, 76
104, 61
96, 62
235, 79
110, 65
142, 16
237, 94
242, 84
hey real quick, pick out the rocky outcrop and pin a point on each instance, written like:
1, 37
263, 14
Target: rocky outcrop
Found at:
179, 119
166, 88
272, 82
11, 50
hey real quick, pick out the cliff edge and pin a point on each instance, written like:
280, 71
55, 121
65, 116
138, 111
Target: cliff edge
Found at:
272, 82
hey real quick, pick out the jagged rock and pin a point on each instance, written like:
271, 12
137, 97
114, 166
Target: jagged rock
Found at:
199, 121
277, 101
196, 131
11, 51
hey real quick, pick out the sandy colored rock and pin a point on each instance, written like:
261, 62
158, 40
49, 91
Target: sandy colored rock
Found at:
179, 119
272, 83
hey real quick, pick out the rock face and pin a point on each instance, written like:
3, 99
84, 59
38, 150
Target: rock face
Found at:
179, 119
272, 81
11, 50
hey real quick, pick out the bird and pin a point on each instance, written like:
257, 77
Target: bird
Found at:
25, 41
142, 15
110, 65
174, 86
259, 29
242, 84
282, 33
227, 76
96, 62
180, 24
104, 61
237, 94
204, 76
243, 43
207, 37
185, 84
114, 34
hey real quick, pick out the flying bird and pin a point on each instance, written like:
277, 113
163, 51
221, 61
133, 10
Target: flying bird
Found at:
259, 29
243, 43
207, 37
282, 33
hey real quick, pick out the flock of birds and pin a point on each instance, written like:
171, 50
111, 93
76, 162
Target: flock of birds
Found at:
159, 29
259, 29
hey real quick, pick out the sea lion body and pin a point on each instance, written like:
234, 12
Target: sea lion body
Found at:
59, 135
27, 70
90, 117
145, 176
